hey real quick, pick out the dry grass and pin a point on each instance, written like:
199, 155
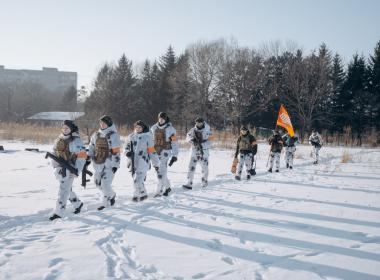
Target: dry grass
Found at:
32, 132
346, 157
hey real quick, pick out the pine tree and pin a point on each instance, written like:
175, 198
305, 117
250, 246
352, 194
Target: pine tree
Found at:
166, 67
354, 98
338, 79
374, 85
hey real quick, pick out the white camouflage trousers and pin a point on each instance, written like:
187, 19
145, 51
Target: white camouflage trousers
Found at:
164, 183
316, 153
103, 181
289, 155
247, 160
196, 157
138, 184
275, 156
65, 193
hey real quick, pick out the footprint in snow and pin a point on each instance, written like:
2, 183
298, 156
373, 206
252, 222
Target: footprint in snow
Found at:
55, 261
215, 244
228, 260
199, 276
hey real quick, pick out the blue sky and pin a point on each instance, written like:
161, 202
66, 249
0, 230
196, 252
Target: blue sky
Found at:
80, 35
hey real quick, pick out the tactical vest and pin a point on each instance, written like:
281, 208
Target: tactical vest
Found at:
63, 150
160, 141
244, 144
102, 150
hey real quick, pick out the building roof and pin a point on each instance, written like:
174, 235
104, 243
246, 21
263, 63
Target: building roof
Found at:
56, 116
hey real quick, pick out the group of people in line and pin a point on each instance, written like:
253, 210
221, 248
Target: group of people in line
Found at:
157, 147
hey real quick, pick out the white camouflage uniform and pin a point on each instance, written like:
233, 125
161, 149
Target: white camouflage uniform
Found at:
290, 148
77, 149
276, 143
199, 155
170, 149
143, 152
103, 171
315, 139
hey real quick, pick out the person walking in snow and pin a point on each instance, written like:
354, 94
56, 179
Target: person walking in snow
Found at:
199, 136
70, 148
140, 151
104, 151
315, 140
290, 148
166, 145
276, 143
246, 149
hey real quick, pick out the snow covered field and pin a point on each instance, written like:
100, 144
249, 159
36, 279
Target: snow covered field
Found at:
313, 222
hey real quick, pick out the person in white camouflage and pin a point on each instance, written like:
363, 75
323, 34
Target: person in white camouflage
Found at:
140, 152
104, 151
166, 145
200, 137
290, 148
246, 149
315, 140
276, 143
70, 148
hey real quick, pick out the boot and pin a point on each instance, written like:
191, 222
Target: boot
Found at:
270, 170
277, 170
237, 177
78, 209
112, 200
167, 191
248, 177
100, 208
145, 196
188, 187
287, 165
55, 216
252, 172
291, 167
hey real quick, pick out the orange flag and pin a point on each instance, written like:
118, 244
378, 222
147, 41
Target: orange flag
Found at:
283, 120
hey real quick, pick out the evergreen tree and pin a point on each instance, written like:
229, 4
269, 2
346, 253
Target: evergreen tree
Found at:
374, 85
166, 67
338, 79
354, 98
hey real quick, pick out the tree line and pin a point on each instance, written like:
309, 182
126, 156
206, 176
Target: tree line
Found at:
231, 85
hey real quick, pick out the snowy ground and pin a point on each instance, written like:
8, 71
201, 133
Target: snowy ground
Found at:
314, 222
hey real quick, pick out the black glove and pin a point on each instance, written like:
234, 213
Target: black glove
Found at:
128, 154
172, 160
114, 169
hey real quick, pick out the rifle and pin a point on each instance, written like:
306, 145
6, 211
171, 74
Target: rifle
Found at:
132, 159
198, 145
85, 172
63, 163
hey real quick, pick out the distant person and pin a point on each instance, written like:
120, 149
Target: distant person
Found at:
290, 149
140, 152
246, 149
104, 151
315, 140
276, 143
199, 136
70, 148
166, 145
